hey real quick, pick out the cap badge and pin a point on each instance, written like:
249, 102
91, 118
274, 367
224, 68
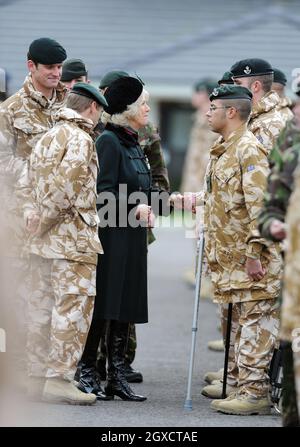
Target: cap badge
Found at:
215, 92
247, 70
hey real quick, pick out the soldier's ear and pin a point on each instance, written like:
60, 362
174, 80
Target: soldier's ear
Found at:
31, 66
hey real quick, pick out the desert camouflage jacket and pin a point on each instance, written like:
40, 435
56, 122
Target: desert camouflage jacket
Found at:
235, 184
197, 156
266, 121
24, 118
284, 107
63, 172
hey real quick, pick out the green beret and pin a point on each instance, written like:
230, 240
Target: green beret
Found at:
84, 89
279, 77
121, 93
112, 76
73, 69
231, 92
46, 51
226, 78
251, 67
205, 84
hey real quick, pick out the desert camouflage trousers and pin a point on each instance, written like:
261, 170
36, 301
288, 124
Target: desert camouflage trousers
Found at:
60, 311
254, 330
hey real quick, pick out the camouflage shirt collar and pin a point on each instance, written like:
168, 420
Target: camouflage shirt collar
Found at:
268, 102
66, 114
221, 145
35, 95
284, 102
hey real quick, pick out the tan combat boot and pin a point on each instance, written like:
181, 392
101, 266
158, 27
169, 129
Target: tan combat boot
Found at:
214, 391
58, 390
216, 345
244, 405
214, 375
215, 403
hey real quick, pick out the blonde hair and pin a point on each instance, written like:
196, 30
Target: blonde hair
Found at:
121, 119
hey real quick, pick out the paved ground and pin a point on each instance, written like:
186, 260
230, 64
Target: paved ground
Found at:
163, 356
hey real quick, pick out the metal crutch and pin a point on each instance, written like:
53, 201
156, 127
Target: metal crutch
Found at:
227, 347
188, 400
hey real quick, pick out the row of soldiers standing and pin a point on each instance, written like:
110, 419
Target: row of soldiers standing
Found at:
38, 133
277, 132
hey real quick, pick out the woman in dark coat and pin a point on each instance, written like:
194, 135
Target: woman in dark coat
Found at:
122, 269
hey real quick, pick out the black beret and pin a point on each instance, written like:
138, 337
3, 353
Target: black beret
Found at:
72, 69
231, 92
46, 51
112, 76
121, 93
251, 67
205, 84
279, 77
226, 78
84, 89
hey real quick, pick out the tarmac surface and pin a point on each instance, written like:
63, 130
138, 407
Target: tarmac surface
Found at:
163, 357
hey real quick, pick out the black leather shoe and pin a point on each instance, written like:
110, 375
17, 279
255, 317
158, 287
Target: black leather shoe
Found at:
121, 389
132, 375
90, 383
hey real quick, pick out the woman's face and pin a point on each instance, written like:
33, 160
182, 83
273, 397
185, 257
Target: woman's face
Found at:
141, 118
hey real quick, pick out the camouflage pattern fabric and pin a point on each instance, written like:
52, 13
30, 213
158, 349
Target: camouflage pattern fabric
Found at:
255, 327
290, 415
24, 118
284, 158
197, 155
290, 311
284, 107
63, 176
60, 312
266, 121
131, 344
235, 184
149, 141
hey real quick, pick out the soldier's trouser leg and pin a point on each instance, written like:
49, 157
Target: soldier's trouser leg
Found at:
74, 286
296, 357
40, 306
259, 329
290, 416
232, 371
131, 345
61, 311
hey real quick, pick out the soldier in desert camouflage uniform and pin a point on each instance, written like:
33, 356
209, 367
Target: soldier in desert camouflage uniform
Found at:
65, 245
201, 139
245, 268
24, 118
266, 121
271, 225
278, 86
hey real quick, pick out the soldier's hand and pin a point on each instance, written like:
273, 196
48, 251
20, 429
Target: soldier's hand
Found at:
254, 269
278, 229
185, 201
32, 223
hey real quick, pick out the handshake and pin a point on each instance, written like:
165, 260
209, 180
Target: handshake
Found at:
187, 201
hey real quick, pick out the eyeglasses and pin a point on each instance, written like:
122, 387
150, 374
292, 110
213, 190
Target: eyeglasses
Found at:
213, 108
